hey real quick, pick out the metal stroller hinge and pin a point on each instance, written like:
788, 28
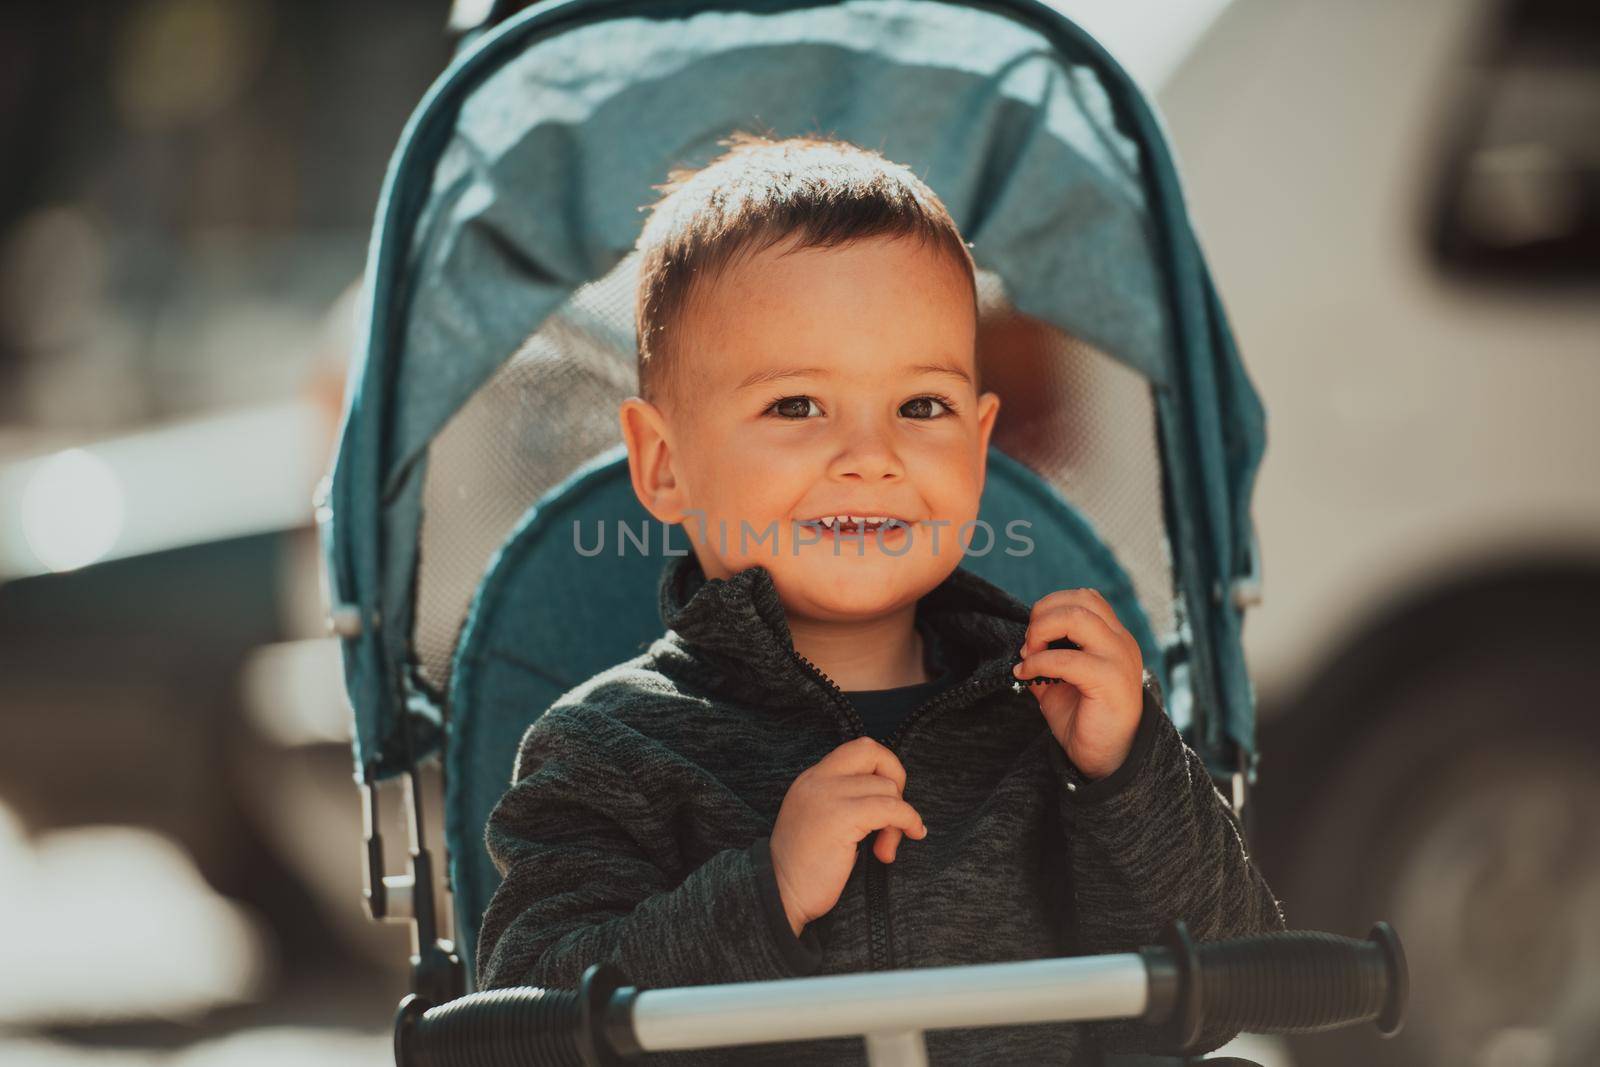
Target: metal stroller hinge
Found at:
1247, 587
343, 620
436, 970
340, 618
389, 897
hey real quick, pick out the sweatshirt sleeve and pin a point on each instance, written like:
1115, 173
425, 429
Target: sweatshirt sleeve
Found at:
1151, 842
589, 873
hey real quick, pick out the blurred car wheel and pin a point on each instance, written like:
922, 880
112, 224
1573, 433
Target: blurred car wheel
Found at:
1469, 817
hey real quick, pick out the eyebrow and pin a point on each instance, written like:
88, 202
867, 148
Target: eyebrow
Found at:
781, 373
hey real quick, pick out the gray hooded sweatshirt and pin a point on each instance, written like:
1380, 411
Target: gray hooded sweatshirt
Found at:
637, 827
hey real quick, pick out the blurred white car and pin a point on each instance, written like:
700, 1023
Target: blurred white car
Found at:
1401, 204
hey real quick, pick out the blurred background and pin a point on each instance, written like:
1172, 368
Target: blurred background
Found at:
1400, 202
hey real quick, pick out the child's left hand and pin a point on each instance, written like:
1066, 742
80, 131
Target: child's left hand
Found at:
1094, 711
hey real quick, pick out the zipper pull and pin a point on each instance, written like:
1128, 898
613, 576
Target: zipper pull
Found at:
1018, 685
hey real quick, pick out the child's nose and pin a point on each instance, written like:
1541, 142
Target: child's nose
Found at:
867, 454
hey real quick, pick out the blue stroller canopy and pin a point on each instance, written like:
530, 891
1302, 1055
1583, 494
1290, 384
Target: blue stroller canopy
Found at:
497, 339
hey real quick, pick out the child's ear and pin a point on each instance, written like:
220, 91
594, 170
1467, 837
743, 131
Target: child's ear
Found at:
650, 459
988, 409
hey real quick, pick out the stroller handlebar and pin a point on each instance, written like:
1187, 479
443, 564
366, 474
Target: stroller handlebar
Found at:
1296, 982
1291, 982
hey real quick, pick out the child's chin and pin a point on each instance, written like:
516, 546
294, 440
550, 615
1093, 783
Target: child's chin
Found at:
870, 583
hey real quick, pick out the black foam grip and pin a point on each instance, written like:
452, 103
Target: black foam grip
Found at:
1294, 982
528, 1026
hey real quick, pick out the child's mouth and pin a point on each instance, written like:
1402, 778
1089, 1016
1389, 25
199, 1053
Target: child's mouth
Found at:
854, 526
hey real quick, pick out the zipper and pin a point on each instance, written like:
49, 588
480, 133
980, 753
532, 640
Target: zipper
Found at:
880, 951
833, 690
878, 920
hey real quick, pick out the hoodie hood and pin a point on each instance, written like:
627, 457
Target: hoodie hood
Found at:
738, 625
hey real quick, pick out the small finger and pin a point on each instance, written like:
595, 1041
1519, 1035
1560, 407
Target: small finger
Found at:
1107, 611
1082, 669
1085, 598
868, 756
853, 786
1080, 623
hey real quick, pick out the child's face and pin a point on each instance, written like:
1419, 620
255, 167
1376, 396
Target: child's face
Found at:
847, 419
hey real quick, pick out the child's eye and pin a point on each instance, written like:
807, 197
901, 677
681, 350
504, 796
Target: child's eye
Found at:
792, 407
923, 404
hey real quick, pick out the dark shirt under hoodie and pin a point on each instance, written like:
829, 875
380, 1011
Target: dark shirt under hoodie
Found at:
883, 710
637, 826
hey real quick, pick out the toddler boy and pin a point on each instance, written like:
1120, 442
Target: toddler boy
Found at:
809, 410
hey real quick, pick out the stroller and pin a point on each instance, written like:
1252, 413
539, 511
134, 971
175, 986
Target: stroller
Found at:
499, 338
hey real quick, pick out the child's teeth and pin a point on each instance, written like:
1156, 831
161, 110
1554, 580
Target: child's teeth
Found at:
856, 522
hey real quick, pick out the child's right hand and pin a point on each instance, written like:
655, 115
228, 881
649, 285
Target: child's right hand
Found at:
829, 808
